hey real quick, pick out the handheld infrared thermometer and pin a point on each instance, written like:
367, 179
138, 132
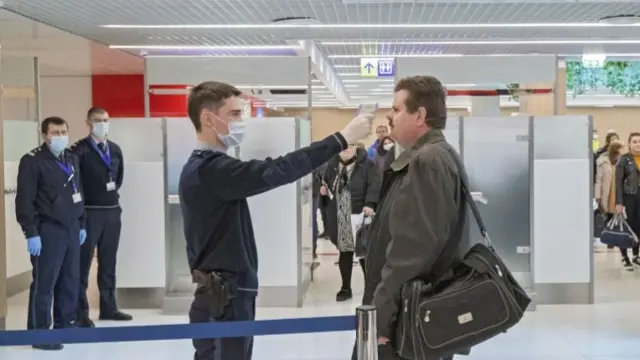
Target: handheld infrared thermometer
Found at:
367, 109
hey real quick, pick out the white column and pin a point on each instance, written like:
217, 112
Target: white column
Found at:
485, 106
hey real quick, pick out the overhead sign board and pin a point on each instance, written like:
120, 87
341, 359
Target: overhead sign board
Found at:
377, 67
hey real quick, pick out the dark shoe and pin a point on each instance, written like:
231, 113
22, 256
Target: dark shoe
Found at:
344, 295
636, 260
323, 235
84, 322
49, 347
626, 264
116, 316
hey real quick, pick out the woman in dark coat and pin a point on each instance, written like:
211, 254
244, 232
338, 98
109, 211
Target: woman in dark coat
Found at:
352, 185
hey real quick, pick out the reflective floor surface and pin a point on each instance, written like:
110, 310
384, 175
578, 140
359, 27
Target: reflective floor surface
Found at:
609, 330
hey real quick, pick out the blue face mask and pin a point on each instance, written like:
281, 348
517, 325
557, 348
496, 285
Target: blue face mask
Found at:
58, 144
235, 135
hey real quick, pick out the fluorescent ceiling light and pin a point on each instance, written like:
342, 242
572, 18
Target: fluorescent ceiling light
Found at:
346, 66
367, 26
483, 42
203, 47
351, 56
367, 80
350, 74
350, 86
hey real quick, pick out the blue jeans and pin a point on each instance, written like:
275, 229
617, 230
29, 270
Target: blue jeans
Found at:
314, 220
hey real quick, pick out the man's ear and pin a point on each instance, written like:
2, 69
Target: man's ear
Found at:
422, 114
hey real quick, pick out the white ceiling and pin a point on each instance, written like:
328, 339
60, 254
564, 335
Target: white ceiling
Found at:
59, 52
346, 30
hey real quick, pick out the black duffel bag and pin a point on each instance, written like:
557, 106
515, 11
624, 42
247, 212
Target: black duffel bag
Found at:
477, 299
618, 233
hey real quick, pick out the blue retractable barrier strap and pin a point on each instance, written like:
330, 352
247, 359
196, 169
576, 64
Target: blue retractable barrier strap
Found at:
178, 332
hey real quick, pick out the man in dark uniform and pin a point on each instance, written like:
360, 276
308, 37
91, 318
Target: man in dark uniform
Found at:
214, 188
50, 211
102, 169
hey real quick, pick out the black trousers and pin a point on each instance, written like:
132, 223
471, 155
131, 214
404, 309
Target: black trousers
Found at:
241, 308
55, 278
632, 208
103, 234
345, 264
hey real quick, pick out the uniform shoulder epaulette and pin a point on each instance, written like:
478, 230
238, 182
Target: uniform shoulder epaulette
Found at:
34, 151
76, 144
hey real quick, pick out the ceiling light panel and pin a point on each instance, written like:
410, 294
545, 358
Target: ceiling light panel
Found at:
472, 19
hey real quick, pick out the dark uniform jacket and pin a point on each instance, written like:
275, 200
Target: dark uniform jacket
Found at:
418, 214
45, 192
96, 174
213, 190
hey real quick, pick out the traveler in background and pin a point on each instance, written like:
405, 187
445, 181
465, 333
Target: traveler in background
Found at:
595, 143
102, 169
381, 133
50, 211
627, 181
612, 136
361, 145
385, 154
322, 205
604, 188
353, 183
422, 207
317, 184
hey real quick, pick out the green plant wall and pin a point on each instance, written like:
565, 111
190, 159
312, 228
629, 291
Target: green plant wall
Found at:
619, 77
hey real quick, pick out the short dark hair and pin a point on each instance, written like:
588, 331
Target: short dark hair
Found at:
94, 111
632, 135
426, 92
52, 120
208, 95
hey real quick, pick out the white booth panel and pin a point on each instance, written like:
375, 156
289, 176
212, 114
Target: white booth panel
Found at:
141, 256
181, 141
495, 69
563, 209
279, 234
274, 71
20, 137
453, 131
276, 231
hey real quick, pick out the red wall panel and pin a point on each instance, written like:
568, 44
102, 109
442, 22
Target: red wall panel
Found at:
168, 100
120, 95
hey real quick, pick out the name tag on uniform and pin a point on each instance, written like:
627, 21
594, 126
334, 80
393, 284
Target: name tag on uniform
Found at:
77, 197
111, 186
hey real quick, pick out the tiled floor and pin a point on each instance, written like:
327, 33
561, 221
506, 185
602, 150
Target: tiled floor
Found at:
609, 330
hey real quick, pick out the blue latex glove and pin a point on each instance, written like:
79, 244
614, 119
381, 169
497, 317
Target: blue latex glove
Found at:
34, 245
83, 236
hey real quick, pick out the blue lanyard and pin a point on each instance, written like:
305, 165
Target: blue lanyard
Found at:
105, 156
68, 169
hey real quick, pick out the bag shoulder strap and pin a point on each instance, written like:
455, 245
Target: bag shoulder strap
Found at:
464, 182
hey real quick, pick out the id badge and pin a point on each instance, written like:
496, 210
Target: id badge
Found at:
111, 186
77, 197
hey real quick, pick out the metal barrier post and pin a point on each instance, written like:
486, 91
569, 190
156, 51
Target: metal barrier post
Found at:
366, 332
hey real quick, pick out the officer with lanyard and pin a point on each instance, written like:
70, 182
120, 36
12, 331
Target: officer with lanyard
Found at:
102, 169
50, 211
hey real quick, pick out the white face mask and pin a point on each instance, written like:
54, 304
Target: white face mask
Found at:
235, 135
100, 129
387, 146
58, 144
